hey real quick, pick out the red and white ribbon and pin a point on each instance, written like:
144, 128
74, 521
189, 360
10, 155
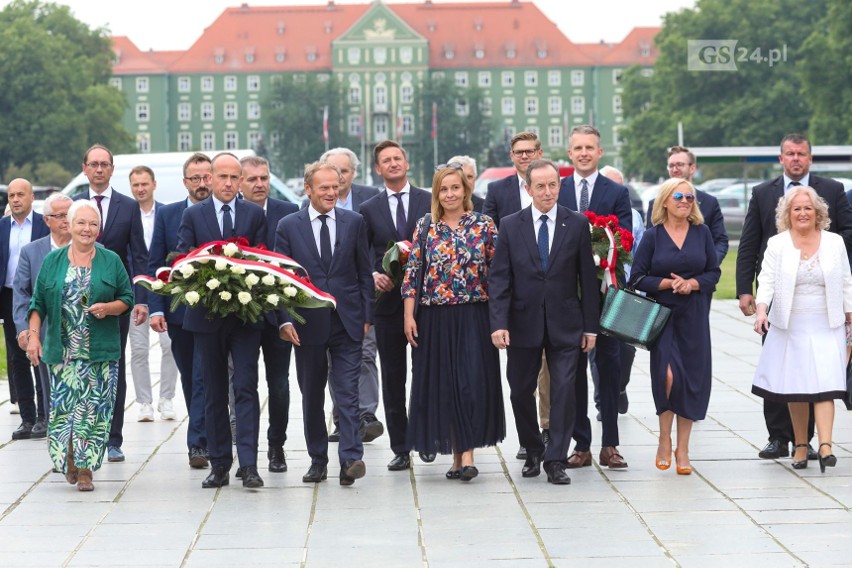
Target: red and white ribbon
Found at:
609, 278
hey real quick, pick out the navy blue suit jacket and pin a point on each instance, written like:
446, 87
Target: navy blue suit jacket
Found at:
360, 194
349, 277
276, 209
198, 226
163, 242
381, 229
503, 198
39, 230
713, 218
123, 235
608, 198
523, 298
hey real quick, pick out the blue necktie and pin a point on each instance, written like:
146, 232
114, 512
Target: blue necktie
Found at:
227, 222
543, 238
584, 196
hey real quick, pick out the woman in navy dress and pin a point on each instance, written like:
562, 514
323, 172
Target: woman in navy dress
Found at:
676, 265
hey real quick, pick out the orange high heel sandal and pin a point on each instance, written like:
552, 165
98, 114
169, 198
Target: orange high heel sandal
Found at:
682, 470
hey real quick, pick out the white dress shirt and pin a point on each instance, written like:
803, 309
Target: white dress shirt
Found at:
392, 201
148, 225
551, 224
578, 182
526, 200
19, 235
104, 203
316, 227
806, 180
220, 214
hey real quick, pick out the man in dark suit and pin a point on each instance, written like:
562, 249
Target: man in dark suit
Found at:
22, 226
682, 164
122, 233
543, 297
276, 352
223, 216
196, 179
350, 197
331, 244
468, 165
587, 190
391, 216
758, 227
506, 196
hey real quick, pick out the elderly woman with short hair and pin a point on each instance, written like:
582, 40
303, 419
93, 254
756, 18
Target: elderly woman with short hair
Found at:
81, 290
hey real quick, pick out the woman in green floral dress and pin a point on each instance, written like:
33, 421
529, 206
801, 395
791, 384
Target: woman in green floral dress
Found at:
80, 291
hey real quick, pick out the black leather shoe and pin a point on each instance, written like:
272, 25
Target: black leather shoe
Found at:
522, 453
426, 457
545, 437
352, 470
198, 458
316, 473
335, 436
468, 472
24, 431
39, 429
277, 459
400, 462
370, 428
556, 473
775, 449
623, 403
219, 477
251, 479
812, 453
532, 467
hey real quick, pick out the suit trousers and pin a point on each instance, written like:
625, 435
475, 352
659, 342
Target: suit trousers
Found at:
140, 368
368, 384
242, 343
608, 358
522, 369
115, 436
188, 362
276, 362
27, 391
312, 373
544, 394
393, 359
628, 354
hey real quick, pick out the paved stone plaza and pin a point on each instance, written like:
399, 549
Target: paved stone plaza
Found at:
735, 510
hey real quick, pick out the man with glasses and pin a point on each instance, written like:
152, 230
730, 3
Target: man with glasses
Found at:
196, 180
681, 164
122, 233
509, 195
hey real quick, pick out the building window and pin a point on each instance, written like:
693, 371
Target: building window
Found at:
508, 78
249, 57
231, 140
280, 57
406, 54
578, 78
407, 124
354, 94
461, 78
647, 72
219, 58
380, 128
485, 78
253, 110
554, 78
184, 112
380, 98
208, 141
479, 53
253, 138
578, 105
184, 85
253, 83
231, 111
485, 106
554, 136
380, 55
616, 138
616, 104
353, 125
531, 105
353, 55
230, 83
115, 82
554, 105
508, 105
406, 94
184, 141
207, 112
461, 107
143, 142
207, 84
616, 76
531, 78
645, 50
141, 84
142, 111
274, 137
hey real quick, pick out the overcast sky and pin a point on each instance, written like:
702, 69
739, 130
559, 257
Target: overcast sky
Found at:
176, 24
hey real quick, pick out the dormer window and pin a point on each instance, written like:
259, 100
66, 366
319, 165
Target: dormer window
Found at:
249, 56
219, 56
280, 28
280, 55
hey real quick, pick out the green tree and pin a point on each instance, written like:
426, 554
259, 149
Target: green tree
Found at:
55, 100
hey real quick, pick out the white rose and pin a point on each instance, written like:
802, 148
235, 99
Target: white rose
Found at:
273, 299
274, 263
282, 281
597, 260
268, 280
251, 280
221, 264
212, 283
187, 270
177, 290
230, 249
157, 285
290, 291
244, 298
202, 260
192, 298
225, 295
238, 270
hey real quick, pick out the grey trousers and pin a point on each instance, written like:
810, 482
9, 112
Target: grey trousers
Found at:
140, 346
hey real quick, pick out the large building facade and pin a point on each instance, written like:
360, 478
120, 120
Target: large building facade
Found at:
211, 96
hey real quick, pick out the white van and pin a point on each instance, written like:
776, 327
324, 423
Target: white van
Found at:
168, 171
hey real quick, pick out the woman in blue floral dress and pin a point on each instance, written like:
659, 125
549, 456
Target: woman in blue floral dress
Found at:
456, 400
80, 291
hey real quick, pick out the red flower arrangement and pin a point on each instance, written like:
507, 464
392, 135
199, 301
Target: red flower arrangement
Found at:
395, 260
611, 246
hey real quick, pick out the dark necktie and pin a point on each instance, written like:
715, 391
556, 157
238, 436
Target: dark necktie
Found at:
325, 243
543, 245
400, 217
584, 196
227, 222
98, 199
793, 184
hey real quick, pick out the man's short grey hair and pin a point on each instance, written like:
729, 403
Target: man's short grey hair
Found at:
465, 161
82, 204
53, 198
611, 172
353, 159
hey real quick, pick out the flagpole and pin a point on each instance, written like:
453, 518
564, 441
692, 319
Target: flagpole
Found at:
435, 131
325, 126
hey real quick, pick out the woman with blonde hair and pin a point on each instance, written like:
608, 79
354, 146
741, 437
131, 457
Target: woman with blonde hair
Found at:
805, 277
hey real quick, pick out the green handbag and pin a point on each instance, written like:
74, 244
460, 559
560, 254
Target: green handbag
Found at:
632, 318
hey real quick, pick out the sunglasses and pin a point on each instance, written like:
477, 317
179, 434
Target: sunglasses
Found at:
453, 165
681, 196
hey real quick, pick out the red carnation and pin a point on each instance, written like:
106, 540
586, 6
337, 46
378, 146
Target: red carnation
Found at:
612, 219
164, 276
217, 249
178, 258
604, 264
590, 216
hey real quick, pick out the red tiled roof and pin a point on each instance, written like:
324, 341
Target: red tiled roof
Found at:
627, 52
133, 61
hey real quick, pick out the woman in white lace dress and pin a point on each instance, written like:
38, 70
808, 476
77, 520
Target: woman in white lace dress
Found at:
805, 278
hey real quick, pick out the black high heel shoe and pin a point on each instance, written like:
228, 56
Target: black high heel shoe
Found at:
803, 464
826, 461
